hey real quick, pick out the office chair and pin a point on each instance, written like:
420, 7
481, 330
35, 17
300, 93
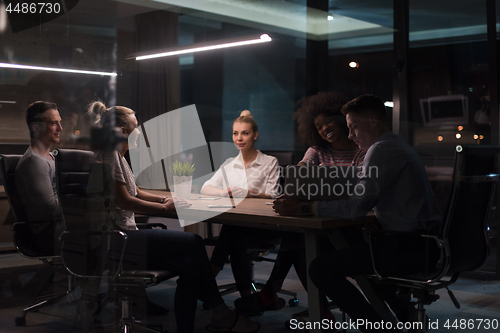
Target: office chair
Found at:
84, 248
463, 240
23, 238
258, 251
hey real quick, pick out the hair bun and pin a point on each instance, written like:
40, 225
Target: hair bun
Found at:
96, 110
245, 113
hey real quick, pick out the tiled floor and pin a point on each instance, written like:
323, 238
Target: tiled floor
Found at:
479, 299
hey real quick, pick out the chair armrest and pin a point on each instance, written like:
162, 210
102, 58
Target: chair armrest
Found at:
17, 225
401, 237
65, 234
373, 228
23, 224
142, 226
86, 252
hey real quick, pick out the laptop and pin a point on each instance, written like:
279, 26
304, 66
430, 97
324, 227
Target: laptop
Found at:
311, 183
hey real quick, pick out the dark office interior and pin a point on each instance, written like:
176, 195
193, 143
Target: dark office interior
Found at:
435, 64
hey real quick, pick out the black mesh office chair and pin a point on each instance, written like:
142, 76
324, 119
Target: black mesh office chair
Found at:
84, 250
463, 240
23, 241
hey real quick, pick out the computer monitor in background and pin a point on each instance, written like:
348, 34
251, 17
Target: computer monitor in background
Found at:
445, 110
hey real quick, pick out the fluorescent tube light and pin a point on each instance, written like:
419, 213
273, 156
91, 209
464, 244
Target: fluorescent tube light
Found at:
76, 71
8, 102
205, 46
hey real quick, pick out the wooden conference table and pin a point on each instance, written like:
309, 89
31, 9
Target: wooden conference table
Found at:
255, 213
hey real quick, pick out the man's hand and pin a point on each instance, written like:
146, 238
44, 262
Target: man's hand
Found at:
287, 206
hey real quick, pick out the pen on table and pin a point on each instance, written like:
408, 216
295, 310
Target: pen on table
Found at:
220, 206
227, 185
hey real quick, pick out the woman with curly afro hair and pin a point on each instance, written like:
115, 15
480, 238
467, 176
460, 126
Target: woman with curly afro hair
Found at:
324, 128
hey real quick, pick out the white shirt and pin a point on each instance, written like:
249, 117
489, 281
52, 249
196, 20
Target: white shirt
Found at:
261, 175
397, 188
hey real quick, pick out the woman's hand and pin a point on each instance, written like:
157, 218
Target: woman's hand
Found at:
253, 193
237, 192
172, 203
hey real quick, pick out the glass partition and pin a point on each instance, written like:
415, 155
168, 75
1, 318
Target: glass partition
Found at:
83, 39
449, 80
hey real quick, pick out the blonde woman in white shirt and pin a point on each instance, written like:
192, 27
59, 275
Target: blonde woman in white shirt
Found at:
250, 174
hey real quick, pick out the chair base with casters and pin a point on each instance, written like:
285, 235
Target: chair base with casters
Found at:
86, 258
45, 300
257, 255
128, 323
128, 289
424, 295
22, 236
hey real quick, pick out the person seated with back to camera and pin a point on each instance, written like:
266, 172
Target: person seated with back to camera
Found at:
397, 188
324, 128
181, 252
35, 178
250, 174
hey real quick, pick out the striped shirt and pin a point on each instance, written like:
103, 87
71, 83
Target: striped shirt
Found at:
328, 156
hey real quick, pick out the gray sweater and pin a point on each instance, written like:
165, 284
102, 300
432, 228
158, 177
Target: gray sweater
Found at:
35, 182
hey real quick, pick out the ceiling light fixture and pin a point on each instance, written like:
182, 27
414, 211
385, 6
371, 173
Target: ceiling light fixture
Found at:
205, 46
353, 64
52, 69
